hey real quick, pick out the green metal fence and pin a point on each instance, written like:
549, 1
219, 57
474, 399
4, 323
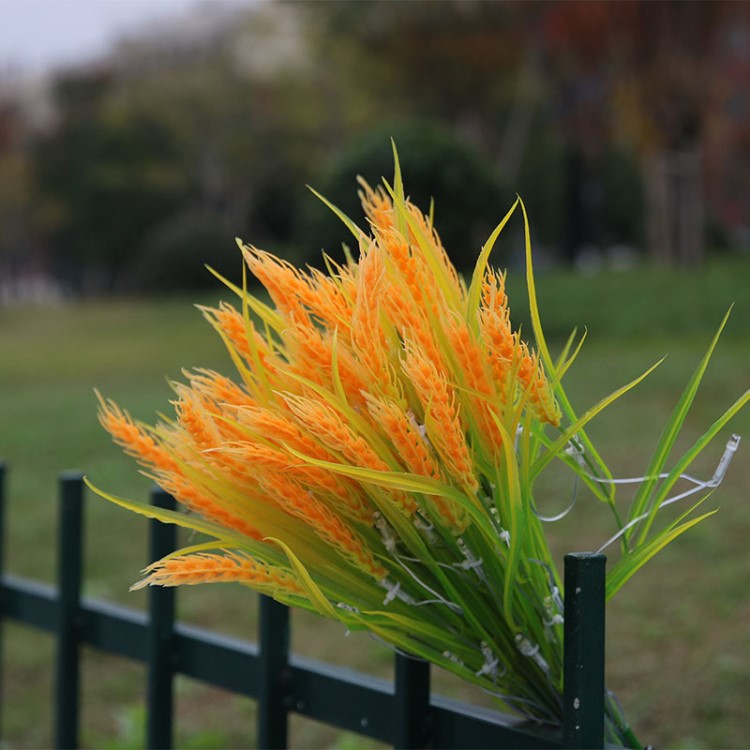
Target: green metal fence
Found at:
402, 713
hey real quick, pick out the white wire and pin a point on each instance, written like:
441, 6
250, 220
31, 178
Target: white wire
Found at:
712, 483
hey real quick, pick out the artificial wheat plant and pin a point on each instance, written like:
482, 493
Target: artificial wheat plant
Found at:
376, 459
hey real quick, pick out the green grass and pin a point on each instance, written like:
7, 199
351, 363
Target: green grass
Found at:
678, 645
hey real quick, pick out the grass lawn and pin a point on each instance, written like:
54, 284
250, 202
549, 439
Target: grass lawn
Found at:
679, 648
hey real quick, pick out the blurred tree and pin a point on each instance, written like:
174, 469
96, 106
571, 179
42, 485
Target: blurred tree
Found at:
468, 197
454, 61
107, 175
155, 142
16, 203
502, 76
174, 256
639, 71
226, 134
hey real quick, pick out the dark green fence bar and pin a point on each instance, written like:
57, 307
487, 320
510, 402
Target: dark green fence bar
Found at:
160, 659
583, 680
273, 674
412, 694
458, 725
70, 565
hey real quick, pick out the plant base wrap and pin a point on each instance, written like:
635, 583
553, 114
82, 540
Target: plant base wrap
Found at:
375, 460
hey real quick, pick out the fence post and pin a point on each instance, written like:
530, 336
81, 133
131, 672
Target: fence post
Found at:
70, 563
3, 475
412, 707
583, 681
274, 674
160, 636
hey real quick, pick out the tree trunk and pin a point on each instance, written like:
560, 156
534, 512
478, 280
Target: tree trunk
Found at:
675, 216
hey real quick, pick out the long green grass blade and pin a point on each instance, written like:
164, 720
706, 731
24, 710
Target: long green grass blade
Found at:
311, 589
629, 565
348, 223
687, 459
575, 429
643, 499
475, 289
195, 523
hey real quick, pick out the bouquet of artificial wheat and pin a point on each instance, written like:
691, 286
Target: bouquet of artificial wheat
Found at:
376, 460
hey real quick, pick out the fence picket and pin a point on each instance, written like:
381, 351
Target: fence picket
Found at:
3, 478
412, 689
274, 674
70, 565
583, 670
160, 641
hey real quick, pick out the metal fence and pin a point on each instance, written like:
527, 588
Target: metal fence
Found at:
402, 712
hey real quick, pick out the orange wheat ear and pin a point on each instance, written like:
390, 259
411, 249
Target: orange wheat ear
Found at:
195, 420
279, 430
186, 492
377, 205
189, 570
371, 334
541, 399
485, 396
325, 424
241, 335
231, 323
137, 441
220, 389
328, 300
414, 452
301, 503
442, 418
423, 231
312, 353
284, 283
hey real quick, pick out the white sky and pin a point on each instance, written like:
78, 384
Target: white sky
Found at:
39, 34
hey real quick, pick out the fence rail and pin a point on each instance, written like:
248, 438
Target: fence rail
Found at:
401, 712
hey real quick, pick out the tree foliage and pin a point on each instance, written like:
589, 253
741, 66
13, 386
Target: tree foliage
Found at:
440, 167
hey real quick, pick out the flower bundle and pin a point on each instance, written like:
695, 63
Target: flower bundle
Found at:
376, 460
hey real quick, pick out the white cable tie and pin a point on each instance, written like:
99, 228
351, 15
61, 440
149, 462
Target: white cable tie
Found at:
576, 451
389, 539
712, 483
475, 565
423, 525
393, 590
452, 657
527, 648
554, 591
470, 562
505, 537
519, 432
490, 663
726, 459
